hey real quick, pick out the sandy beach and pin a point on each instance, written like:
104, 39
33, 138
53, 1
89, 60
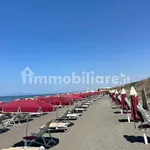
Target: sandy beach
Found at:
98, 129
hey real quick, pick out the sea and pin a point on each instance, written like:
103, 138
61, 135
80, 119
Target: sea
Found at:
11, 98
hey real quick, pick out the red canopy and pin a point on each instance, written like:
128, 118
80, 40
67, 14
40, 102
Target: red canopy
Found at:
83, 95
53, 100
134, 101
134, 108
73, 96
66, 101
27, 106
113, 97
123, 103
117, 100
1, 104
57, 101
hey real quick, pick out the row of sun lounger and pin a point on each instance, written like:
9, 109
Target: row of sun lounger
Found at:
15, 119
132, 107
62, 123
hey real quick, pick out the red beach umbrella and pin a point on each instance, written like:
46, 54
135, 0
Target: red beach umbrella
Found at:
123, 96
134, 99
66, 101
83, 95
58, 101
113, 96
40, 98
73, 96
53, 100
63, 101
27, 106
118, 102
1, 104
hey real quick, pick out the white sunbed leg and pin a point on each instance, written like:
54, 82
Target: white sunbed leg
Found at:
14, 123
19, 122
66, 130
42, 148
4, 126
145, 137
128, 116
121, 111
9, 123
25, 143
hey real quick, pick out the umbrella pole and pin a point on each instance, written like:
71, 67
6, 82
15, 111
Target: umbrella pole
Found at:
27, 125
57, 112
25, 142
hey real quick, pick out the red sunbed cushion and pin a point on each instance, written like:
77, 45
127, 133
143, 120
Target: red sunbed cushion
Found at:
29, 137
144, 126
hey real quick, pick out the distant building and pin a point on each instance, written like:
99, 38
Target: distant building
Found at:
104, 89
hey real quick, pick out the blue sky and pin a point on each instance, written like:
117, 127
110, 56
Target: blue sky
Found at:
63, 36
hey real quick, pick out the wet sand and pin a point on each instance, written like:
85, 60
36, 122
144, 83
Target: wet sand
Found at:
98, 129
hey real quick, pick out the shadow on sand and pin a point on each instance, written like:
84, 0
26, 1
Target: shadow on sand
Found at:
58, 131
25, 121
4, 130
114, 107
117, 112
124, 120
21, 143
135, 139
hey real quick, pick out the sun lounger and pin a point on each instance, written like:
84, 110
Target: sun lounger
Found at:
23, 117
2, 116
139, 114
11, 121
74, 112
34, 138
66, 116
69, 123
72, 115
83, 106
57, 126
87, 103
79, 109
